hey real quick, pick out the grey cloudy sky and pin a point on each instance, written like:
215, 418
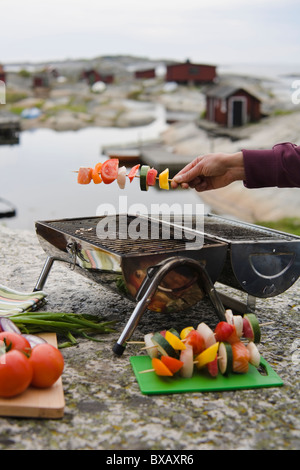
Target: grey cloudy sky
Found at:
214, 31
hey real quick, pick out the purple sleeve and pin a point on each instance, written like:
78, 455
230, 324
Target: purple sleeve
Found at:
277, 167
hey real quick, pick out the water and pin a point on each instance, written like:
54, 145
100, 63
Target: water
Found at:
36, 176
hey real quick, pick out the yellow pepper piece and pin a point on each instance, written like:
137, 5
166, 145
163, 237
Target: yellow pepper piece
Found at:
208, 355
186, 331
163, 179
174, 341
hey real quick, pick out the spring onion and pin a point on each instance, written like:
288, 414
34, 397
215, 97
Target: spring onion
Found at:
64, 324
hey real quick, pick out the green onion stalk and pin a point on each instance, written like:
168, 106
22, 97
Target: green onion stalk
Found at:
63, 324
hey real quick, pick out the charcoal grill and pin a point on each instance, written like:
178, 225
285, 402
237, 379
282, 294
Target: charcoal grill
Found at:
171, 274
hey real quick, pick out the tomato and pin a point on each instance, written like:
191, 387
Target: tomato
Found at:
197, 342
247, 329
15, 341
47, 364
109, 170
84, 175
133, 172
225, 332
212, 367
15, 373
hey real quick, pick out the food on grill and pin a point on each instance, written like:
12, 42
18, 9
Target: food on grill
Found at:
164, 179
151, 177
143, 177
251, 328
133, 172
109, 170
121, 178
84, 175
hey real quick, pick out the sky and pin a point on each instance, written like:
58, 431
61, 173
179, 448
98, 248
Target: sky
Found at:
209, 31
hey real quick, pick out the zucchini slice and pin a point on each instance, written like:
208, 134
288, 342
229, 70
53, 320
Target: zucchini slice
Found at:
143, 177
163, 345
225, 358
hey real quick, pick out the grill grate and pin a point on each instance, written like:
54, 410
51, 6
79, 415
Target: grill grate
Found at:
159, 238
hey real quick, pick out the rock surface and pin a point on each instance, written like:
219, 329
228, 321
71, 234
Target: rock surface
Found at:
105, 409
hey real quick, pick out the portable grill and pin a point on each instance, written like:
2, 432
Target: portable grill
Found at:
171, 273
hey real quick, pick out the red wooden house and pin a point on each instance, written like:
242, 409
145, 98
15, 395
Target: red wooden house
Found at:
92, 76
2, 73
231, 106
149, 73
191, 74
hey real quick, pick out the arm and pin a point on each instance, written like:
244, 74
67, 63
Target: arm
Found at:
279, 166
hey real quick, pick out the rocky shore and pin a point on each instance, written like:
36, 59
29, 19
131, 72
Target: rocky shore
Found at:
105, 409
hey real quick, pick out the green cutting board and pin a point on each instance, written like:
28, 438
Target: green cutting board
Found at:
150, 383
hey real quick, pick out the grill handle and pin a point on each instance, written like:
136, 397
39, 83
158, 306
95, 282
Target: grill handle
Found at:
148, 289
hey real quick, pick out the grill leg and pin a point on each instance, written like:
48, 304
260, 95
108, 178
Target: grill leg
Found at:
149, 290
44, 274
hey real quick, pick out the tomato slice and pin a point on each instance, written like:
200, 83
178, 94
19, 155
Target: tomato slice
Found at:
151, 177
133, 172
109, 170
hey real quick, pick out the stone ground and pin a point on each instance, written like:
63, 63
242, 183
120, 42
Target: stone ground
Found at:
105, 409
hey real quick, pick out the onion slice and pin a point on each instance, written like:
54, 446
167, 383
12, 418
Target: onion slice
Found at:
8, 325
34, 340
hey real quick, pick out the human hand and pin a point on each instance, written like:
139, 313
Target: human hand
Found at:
211, 171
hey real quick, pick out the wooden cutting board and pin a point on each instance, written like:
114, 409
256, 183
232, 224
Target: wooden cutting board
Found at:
37, 403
